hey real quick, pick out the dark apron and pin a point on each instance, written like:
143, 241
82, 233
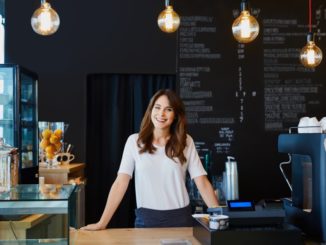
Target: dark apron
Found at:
180, 217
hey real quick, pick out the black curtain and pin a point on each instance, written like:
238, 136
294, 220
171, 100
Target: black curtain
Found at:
115, 106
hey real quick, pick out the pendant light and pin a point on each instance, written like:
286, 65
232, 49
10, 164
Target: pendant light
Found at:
245, 28
45, 20
310, 55
168, 20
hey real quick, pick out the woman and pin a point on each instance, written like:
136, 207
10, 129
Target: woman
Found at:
160, 155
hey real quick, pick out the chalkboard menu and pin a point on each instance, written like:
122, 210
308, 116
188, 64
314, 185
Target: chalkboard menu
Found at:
240, 97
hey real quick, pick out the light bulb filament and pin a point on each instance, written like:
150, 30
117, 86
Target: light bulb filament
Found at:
169, 21
311, 56
45, 21
245, 28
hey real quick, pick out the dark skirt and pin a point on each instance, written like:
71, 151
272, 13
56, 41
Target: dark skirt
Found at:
146, 218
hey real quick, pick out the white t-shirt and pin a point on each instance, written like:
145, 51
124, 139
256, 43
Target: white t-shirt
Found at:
160, 181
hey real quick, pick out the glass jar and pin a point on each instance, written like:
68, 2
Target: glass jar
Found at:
51, 141
9, 173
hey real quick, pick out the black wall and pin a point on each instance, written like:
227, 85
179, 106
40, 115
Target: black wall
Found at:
94, 37
240, 97
123, 37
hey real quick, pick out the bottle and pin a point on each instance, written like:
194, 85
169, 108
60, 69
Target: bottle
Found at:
208, 164
231, 175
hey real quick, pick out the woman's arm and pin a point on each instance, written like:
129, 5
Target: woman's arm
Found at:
118, 190
206, 191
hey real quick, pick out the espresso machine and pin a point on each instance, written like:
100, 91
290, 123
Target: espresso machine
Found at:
306, 208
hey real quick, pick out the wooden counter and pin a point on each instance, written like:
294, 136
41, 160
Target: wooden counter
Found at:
145, 236
63, 173
139, 236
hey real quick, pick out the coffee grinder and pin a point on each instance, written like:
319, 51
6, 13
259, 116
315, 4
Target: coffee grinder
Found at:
306, 208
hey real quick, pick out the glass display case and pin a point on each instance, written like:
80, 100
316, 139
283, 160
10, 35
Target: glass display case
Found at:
18, 116
47, 208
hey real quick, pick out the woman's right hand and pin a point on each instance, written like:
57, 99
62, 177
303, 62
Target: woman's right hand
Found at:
117, 191
93, 227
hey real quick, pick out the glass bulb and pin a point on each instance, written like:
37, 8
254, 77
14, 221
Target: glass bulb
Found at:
245, 28
311, 55
45, 21
168, 20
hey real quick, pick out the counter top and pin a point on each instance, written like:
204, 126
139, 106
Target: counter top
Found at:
62, 174
72, 167
140, 236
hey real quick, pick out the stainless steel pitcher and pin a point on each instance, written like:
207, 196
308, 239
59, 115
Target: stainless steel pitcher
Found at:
231, 178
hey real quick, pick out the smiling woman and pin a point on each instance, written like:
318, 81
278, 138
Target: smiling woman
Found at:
159, 155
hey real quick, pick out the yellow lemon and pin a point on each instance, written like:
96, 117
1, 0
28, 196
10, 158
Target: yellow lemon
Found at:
49, 155
50, 149
44, 143
46, 133
58, 132
54, 139
58, 146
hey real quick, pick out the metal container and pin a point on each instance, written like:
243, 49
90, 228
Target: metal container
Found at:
9, 168
232, 188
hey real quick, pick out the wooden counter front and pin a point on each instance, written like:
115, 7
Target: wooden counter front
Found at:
62, 173
139, 236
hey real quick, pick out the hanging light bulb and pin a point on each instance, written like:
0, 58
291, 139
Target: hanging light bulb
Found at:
168, 20
245, 28
311, 55
45, 20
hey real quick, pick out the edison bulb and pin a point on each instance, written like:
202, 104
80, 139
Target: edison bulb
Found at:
245, 28
168, 20
311, 55
45, 21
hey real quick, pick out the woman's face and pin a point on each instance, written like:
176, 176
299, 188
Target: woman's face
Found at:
162, 113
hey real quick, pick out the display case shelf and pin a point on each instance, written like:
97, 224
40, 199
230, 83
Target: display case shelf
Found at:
52, 203
37, 242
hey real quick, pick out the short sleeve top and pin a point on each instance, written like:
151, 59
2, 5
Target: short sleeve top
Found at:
159, 180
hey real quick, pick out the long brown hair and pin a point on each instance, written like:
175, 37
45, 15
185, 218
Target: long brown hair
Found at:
177, 142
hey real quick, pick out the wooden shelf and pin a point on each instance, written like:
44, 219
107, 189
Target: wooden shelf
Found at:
32, 225
63, 173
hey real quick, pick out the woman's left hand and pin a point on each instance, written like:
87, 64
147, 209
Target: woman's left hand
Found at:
93, 227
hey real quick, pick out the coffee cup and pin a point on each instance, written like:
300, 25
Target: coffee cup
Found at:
218, 222
64, 158
309, 125
323, 124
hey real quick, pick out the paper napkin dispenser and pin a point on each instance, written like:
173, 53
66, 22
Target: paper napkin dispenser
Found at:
307, 206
